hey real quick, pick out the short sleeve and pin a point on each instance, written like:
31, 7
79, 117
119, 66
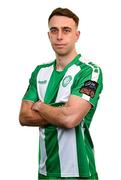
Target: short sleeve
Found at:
31, 93
88, 84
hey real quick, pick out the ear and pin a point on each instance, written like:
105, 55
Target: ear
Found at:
48, 35
77, 35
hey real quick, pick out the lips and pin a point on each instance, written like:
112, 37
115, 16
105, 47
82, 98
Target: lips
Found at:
60, 45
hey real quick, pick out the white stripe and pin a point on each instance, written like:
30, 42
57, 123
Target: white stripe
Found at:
64, 92
95, 76
68, 152
86, 97
43, 155
82, 59
43, 75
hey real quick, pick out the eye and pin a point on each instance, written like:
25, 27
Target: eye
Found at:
53, 30
66, 30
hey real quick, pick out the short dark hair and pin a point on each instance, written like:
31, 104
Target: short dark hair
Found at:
64, 12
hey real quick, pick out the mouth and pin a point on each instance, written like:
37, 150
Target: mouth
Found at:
60, 45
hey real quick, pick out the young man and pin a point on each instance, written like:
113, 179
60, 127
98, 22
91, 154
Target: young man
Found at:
61, 99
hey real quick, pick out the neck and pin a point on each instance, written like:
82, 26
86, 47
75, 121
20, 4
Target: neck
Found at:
62, 61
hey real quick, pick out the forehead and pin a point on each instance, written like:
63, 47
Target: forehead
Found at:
61, 21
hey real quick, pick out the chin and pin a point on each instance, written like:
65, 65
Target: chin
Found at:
61, 52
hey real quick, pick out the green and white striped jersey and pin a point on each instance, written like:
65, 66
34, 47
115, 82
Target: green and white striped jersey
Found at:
66, 152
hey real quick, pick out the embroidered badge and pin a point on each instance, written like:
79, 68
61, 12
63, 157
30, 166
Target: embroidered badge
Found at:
66, 80
89, 88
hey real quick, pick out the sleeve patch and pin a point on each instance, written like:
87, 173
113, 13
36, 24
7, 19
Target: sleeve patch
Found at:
89, 88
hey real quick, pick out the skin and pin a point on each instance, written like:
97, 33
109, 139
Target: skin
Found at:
63, 36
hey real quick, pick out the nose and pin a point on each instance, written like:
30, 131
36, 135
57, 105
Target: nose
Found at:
59, 35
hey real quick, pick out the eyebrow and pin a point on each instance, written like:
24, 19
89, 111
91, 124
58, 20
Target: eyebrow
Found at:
63, 27
53, 28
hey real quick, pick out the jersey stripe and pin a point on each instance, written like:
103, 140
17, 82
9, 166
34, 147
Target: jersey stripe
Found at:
43, 155
63, 91
43, 78
52, 152
94, 77
82, 162
95, 73
68, 153
68, 158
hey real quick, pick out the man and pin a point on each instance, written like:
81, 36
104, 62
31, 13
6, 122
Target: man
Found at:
61, 99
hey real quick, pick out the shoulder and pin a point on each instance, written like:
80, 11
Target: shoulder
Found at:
41, 66
88, 69
88, 65
44, 65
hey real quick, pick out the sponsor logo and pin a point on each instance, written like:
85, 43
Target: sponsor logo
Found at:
89, 88
42, 82
66, 80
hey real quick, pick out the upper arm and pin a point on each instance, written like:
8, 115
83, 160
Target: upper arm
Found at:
31, 92
29, 98
84, 93
89, 85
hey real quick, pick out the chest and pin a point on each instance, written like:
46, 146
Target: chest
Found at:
53, 86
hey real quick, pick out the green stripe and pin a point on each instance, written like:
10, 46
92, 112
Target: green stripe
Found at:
52, 149
83, 164
51, 136
57, 104
53, 87
89, 149
93, 177
95, 99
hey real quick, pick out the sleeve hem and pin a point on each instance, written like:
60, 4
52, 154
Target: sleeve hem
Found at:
85, 97
28, 100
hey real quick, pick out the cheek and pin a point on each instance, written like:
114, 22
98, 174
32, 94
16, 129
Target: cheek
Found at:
72, 39
52, 38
